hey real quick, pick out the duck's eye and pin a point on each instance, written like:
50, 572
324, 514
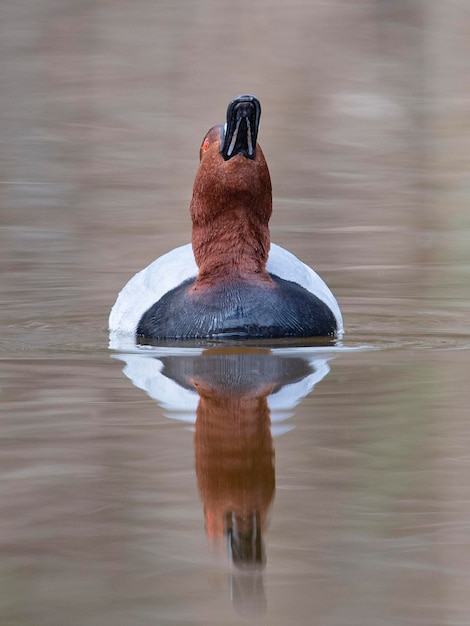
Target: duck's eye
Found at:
206, 144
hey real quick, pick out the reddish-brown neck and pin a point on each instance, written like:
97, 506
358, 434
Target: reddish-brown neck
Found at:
230, 210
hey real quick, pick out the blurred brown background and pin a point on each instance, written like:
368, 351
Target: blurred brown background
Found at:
104, 104
365, 126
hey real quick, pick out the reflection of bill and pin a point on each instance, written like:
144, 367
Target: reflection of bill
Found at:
237, 398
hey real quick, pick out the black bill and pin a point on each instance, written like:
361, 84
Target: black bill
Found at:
241, 129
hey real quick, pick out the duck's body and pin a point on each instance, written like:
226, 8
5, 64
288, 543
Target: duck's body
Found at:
178, 266
230, 282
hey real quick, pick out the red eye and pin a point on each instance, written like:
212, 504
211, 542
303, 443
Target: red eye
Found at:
205, 145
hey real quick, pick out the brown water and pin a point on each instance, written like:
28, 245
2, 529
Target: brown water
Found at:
364, 511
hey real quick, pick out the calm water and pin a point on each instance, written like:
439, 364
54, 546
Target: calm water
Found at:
294, 485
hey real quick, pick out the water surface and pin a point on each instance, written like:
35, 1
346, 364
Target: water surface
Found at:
341, 477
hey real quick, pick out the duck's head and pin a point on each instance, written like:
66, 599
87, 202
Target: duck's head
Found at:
232, 197
231, 160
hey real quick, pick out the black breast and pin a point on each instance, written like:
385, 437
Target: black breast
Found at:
239, 310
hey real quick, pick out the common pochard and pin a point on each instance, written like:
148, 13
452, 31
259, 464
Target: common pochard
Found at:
230, 282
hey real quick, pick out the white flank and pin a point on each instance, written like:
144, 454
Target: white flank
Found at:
171, 269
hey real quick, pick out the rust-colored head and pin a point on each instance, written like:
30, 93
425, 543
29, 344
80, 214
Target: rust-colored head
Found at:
232, 200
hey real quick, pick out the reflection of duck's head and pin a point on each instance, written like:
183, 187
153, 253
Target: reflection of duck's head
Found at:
235, 468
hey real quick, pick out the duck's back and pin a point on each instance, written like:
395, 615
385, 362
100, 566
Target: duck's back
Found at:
171, 270
238, 310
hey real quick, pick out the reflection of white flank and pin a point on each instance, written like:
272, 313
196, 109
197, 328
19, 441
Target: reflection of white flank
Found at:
146, 374
289, 396
180, 403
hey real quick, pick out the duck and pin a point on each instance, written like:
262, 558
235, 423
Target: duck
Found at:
230, 282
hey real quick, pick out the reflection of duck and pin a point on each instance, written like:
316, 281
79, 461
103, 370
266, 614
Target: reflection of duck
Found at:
229, 394
233, 444
231, 282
